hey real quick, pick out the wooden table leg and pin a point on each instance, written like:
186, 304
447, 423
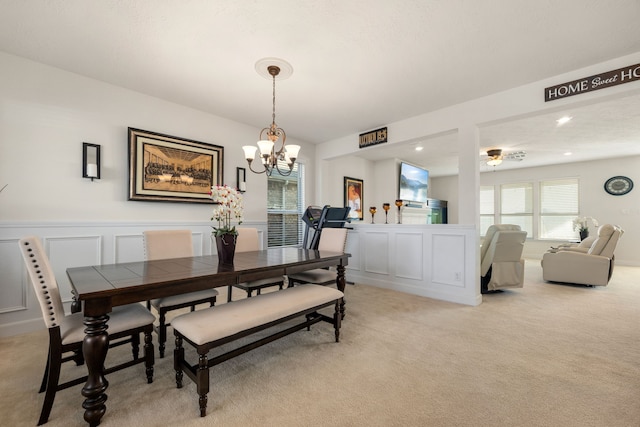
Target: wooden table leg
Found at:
341, 283
94, 348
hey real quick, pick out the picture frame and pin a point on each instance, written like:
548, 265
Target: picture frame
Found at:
166, 168
353, 197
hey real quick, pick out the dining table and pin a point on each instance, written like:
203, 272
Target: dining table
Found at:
99, 288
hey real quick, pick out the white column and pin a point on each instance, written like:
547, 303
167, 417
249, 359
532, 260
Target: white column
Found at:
469, 190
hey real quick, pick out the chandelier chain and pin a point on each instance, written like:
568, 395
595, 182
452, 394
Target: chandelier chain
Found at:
273, 115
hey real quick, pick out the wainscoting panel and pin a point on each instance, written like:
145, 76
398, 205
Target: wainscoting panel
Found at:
432, 260
353, 247
67, 252
376, 250
128, 248
77, 244
448, 259
13, 280
409, 255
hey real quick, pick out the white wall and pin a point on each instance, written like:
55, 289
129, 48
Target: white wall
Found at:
45, 116
462, 192
466, 118
349, 166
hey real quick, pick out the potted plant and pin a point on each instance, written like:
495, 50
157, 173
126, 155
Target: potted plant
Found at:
228, 206
580, 225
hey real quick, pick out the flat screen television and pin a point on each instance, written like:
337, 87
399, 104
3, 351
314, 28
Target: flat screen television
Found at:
414, 182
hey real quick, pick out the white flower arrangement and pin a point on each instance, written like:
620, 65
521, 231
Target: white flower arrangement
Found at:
228, 206
580, 223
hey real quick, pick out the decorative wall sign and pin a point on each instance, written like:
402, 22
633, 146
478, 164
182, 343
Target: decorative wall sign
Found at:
589, 84
374, 137
171, 169
618, 185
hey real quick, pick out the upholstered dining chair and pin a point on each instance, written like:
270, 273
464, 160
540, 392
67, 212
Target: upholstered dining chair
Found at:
331, 240
66, 333
248, 241
165, 244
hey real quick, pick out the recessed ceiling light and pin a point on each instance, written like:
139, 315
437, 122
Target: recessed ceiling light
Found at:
418, 148
568, 153
563, 120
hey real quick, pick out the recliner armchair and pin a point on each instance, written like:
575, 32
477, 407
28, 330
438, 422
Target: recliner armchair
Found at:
592, 267
501, 263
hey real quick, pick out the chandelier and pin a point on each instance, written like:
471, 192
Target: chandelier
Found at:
271, 154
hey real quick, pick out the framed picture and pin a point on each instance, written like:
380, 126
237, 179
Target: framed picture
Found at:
170, 169
353, 191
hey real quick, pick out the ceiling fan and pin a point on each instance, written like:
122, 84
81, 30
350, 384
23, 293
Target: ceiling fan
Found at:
495, 156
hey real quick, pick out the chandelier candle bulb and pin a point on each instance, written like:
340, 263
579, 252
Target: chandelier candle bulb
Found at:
292, 151
92, 170
265, 148
249, 152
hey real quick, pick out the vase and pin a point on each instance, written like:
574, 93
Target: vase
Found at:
226, 246
584, 234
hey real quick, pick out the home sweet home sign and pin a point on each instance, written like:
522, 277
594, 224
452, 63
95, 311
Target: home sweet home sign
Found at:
588, 84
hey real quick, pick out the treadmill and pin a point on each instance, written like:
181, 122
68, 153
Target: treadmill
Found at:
317, 218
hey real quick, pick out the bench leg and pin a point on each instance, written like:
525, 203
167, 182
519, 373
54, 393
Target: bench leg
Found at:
337, 320
178, 358
202, 383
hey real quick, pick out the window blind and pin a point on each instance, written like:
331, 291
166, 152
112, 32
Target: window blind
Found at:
516, 205
487, 208
285, 206
558, 207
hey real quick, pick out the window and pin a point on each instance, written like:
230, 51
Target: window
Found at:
285, 201
487, 208
516, 205
558, 208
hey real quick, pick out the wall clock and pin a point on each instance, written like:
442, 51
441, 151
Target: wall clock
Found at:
618, 185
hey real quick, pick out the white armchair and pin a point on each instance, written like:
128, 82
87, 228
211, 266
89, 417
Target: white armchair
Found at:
501, 263
591, 266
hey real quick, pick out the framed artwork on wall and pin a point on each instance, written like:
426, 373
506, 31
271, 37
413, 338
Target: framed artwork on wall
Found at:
353, 192
171, 169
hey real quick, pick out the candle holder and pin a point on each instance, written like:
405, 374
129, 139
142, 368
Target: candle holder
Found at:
399, 205
373, 211
386, 207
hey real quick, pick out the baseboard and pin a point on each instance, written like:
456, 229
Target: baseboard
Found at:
19, 328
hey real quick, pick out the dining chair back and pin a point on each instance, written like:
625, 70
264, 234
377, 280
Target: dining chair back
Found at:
247, 240
66, 333
163, 244
168, 244
331, 240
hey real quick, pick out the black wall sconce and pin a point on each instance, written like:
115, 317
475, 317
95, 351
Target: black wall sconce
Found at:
241, 179
90, 161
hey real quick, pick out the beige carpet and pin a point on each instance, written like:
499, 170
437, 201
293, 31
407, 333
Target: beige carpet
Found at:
544, 355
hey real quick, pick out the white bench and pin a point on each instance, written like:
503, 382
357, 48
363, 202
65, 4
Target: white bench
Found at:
215, 326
